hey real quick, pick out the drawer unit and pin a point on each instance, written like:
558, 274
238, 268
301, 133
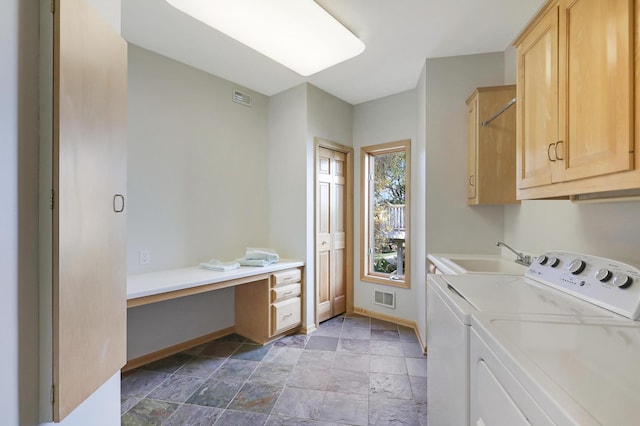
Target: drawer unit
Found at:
285, 314
289, 276
285, 292
268, 308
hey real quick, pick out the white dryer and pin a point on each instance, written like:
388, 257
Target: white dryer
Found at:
546, 370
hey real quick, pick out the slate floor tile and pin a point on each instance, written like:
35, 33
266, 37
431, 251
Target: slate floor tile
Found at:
148, 412
193, 415
241, 418
302, 403
256, 397
215, 393
141, 383
201, 366
345, 409
352, 370
176, 388
322, 343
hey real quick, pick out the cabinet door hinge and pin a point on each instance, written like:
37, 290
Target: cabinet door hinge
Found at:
52, 199
53, 6
53, 393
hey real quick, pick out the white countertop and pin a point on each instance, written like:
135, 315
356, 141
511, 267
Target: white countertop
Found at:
151, 283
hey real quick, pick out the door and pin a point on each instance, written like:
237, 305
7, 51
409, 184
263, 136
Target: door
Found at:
89, 183
537, 124
331, 236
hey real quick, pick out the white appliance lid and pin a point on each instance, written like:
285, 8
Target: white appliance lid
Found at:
519, 295
589, 367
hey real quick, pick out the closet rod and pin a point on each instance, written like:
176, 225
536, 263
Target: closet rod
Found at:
504, 108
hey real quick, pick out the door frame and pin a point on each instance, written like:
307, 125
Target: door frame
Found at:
348, 151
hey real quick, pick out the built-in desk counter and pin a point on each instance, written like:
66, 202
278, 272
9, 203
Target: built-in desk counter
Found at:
152, 287
268, 300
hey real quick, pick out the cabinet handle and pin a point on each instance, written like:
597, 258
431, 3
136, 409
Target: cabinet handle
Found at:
288, 292
472, 181
287, 316
118, 207
555, 150
549, 149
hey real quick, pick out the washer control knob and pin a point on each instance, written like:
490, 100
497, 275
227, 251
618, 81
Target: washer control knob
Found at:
622, 280
603, 275
542, 259
576, 266
554, 261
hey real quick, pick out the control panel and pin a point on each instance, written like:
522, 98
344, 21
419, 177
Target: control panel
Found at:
604, 282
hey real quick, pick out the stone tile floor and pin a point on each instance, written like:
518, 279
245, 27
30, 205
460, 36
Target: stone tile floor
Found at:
352, 370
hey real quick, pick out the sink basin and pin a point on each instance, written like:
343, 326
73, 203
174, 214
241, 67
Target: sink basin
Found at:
488, 266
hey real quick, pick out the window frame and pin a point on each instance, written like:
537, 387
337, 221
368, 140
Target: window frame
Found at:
367, 274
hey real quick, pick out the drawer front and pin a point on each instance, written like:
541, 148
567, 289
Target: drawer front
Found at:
289, 276
285, 292
285, 314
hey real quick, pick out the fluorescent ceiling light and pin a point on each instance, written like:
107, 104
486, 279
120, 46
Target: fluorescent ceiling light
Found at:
299, 34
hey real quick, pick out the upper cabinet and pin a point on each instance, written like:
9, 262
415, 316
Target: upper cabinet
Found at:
575, 125
491, 148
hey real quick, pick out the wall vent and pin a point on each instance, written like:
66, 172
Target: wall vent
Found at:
241, 98
385, 299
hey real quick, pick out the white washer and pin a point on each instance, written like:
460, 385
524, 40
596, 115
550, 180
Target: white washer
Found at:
454, 301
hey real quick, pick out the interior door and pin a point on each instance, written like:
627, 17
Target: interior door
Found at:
89, 183
331, 253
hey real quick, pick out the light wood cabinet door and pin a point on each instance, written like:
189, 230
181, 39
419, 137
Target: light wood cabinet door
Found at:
596, 88
576, 95
537, 123
89, 224
491, 148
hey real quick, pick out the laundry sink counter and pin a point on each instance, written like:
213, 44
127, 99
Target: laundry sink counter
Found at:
474, 264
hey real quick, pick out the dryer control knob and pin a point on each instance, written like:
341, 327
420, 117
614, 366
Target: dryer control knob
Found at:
542, 259
576, 266
554, 261
622, 280
603, 275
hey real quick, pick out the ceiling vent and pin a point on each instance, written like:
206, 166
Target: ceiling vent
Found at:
241, 98
385, 299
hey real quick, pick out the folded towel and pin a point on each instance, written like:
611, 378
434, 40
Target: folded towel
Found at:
254, 262
262, 253
217, 265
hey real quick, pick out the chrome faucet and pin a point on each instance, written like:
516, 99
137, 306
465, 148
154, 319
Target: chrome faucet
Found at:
520, 257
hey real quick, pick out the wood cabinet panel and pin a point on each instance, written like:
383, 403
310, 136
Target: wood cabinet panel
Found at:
89, 224
491, 148
596, 88
537, 123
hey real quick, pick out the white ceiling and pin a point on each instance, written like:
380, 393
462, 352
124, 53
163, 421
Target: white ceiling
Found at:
399, 35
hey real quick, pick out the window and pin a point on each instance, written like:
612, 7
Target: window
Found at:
385, 213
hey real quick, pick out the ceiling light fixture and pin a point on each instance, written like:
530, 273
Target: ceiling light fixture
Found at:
299, 34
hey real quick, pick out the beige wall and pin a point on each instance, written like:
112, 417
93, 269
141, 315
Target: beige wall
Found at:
452, 226
197, 188
296, 117
389, 119
19, 214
